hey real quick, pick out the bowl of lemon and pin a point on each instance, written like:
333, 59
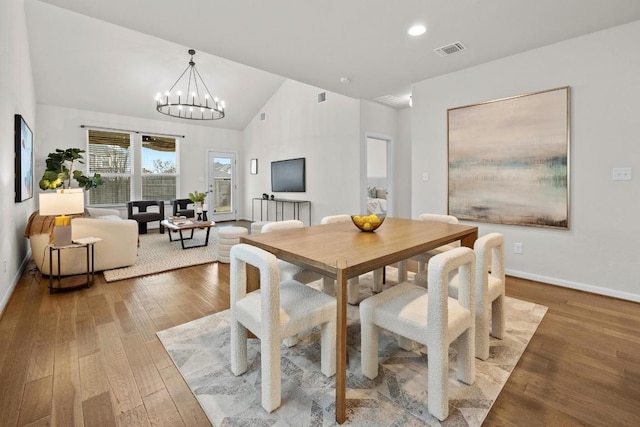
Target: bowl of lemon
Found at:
367, 222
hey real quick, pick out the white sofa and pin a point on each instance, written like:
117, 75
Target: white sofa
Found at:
118, 248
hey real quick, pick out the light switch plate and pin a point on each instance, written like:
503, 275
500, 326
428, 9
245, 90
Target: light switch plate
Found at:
425, 176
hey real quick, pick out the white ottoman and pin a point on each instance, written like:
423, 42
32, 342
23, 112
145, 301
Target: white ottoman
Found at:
256, 227
227, 237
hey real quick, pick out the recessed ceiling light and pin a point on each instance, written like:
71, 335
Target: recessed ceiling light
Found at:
416, 30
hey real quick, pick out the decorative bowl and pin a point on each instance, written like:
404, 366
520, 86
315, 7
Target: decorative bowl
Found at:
367, 222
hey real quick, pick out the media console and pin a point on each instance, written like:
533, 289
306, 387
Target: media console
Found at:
295, 208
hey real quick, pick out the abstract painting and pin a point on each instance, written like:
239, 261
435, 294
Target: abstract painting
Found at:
509, 160
24, 160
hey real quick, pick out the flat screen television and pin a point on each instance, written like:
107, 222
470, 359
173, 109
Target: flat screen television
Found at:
288, 176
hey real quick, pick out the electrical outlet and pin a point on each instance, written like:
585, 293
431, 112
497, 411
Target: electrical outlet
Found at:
517, 248
622, 174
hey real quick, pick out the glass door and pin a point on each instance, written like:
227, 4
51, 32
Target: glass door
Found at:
221, 171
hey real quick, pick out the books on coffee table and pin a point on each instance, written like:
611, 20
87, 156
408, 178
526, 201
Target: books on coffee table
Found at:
178, 220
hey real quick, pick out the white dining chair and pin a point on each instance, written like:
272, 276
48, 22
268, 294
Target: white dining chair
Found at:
424, 258
431, 318
490, 291
289, 271
273, 312
328, 284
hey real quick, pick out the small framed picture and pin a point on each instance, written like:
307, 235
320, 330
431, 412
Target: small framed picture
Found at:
254, 166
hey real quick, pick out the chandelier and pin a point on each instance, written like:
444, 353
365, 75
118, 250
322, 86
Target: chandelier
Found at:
196, 103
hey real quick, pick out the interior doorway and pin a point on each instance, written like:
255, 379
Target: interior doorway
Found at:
379, 176
221, 184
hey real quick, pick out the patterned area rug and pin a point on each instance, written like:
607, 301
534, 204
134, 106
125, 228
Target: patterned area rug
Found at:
157, 254
200, 350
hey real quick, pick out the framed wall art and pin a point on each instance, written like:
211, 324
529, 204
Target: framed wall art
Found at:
509, 160
23, 159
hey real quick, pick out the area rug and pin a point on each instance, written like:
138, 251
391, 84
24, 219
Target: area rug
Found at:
200, 350
157, 254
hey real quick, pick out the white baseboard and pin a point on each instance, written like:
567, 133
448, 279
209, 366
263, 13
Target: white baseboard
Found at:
575, 285
14, 281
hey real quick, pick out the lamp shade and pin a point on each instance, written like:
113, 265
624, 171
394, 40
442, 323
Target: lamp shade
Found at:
62, 202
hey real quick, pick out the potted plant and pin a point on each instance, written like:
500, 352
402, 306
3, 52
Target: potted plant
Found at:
59, 171
197, 198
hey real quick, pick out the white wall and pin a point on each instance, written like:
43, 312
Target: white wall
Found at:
326, 134
599, 253
17, 97
403, 171
60, 128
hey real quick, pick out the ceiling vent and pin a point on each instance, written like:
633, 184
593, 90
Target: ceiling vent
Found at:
322, 96
450, 49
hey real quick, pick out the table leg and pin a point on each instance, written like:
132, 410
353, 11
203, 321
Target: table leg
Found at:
341, 344
93, 263
50, 270
206, 239
87, 249
469, 239
182, 238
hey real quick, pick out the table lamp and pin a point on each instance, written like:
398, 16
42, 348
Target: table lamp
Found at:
62, 203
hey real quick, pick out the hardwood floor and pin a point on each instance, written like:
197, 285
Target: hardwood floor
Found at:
91, 357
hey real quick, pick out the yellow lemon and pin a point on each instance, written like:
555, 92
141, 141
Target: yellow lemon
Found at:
367, 226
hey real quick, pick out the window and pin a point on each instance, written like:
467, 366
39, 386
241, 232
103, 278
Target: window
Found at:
159, 172
110, 156
132, 166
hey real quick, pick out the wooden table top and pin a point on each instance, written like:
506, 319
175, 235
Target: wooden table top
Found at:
319, 247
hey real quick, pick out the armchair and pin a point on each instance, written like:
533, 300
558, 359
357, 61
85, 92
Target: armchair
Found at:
142, 216
180, 208
118, 248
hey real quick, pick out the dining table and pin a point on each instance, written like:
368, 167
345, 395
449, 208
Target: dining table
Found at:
341, 251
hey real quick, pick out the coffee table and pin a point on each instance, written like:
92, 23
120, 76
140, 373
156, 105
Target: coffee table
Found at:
189, 224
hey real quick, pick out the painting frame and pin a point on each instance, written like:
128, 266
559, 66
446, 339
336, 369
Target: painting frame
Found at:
253, 167
509, 160
23, 160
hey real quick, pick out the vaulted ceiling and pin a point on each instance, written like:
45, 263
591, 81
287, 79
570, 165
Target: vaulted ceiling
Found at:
114, 56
